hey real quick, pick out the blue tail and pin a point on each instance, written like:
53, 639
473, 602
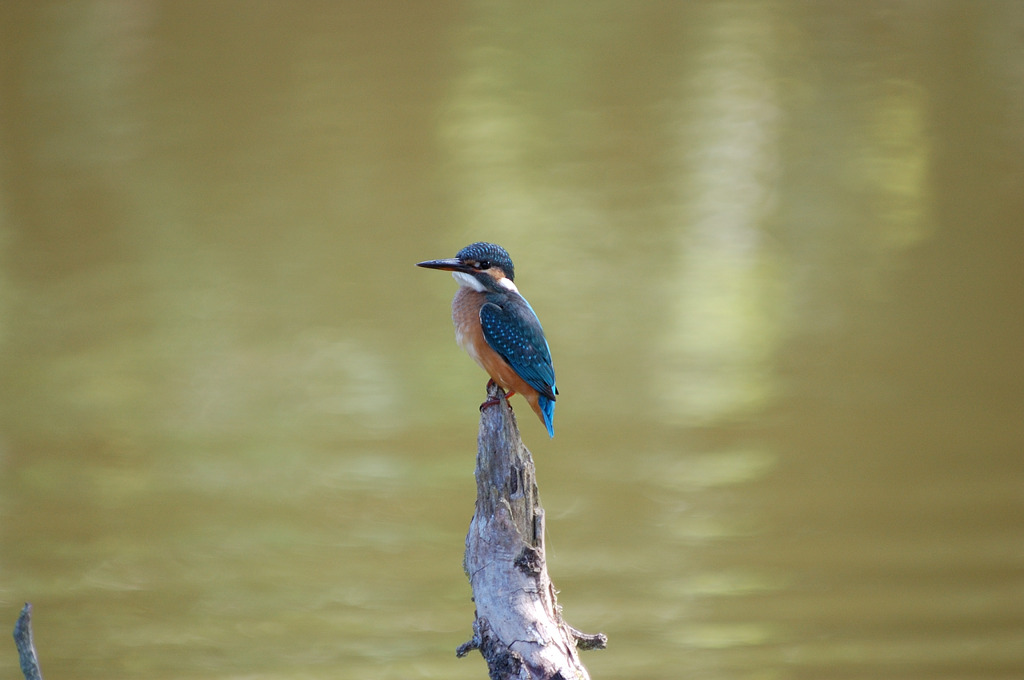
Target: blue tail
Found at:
547, 407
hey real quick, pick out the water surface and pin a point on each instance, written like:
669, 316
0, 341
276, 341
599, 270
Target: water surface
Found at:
776, 248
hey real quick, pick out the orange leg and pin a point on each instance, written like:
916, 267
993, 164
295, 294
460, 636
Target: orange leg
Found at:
495, 400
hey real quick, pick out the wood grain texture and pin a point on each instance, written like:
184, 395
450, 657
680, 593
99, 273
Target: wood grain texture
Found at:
518, 627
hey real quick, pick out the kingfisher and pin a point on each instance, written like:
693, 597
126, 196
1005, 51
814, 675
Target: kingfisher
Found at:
498, 327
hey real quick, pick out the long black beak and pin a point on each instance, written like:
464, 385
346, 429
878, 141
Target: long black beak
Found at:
452, 265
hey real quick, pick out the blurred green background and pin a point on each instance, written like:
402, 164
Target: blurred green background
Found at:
777, 247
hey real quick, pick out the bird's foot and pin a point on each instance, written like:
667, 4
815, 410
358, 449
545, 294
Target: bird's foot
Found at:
495, 400
491, 401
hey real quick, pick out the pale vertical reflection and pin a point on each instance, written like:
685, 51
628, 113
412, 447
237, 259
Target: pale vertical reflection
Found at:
485, 133
891, 169
494, 137
723, 322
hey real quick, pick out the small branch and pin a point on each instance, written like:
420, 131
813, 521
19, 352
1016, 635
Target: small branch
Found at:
586, 641
519, 628
26, 648
503, 662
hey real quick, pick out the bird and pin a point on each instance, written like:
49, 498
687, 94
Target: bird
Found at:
498, 328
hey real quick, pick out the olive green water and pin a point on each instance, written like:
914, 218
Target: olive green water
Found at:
777, 247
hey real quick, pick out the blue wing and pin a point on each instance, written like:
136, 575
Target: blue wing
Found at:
513, 331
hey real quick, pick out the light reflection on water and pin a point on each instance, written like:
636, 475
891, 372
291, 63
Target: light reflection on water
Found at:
237, 438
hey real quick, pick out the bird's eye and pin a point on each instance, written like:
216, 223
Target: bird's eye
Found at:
483, 264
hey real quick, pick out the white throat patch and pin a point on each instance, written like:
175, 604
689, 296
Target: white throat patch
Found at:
467, 281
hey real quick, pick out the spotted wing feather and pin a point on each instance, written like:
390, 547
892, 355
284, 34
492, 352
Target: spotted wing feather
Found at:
513, 331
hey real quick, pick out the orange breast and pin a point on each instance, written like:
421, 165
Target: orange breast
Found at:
470, 336
466, 316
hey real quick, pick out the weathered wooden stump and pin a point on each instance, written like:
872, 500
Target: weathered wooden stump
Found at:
518, 628
26, 647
